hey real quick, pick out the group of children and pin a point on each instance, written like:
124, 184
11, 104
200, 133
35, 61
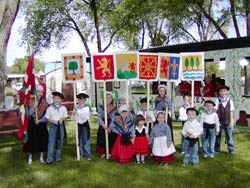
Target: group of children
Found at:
140, 135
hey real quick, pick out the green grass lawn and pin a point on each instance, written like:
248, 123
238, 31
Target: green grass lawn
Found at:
222, 171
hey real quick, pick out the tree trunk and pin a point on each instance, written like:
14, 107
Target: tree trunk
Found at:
8, 12
247, 4
232, 10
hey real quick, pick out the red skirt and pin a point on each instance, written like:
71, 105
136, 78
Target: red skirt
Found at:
164, 159
140, 146
121, 153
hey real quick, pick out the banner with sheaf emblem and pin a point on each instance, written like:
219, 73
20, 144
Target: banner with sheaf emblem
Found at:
169, 66
192, 66
103, 67
73, 67
148, 66
126, 65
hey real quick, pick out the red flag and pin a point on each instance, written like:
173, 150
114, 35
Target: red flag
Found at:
148, 66
29, 87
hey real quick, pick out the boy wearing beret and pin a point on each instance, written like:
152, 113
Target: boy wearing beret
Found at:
55, 115
225, 108
82, 114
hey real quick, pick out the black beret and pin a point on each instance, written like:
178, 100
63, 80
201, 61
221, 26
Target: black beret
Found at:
56, 93
143, 100
192, 109
209, 101
82, 96
224, 87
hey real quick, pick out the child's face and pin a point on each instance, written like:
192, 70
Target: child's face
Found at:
161, 118
191, 115
81, 101
141, 123
209, 107
223, 93
124, 114
144, 105
109, 99
187, 100
162, 91
57, 99
39, 94
123, 101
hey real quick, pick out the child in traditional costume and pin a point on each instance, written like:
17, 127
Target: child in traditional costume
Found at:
183, 113
123, 126
56, 115
148, 115
140, 146
225, 110
211, 127
82, 115
111, 110
192, 129
37, 141
161, 142
163, 103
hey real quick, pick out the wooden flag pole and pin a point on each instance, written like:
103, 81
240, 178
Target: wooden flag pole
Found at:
148, 101
106, 120
168, 94
76, 126
192, 94
127, 98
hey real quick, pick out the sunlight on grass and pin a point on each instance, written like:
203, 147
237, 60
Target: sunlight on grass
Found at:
222, 171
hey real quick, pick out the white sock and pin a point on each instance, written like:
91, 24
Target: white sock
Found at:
41, 154
142, 157
138, 158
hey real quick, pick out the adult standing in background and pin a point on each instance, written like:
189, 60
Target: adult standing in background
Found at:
9, 95
43, 84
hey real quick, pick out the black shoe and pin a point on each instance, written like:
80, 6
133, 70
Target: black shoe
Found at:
49, 162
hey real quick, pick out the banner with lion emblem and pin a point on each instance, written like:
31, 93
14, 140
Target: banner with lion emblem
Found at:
103, 67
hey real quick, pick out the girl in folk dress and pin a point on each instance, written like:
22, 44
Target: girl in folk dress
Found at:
140, 146
37, 129
123, 126
161, 141
111, 109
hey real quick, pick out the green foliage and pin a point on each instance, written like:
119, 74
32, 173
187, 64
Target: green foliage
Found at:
20, 65
186, 63
102, 173
73, 66
192, 62
197, 62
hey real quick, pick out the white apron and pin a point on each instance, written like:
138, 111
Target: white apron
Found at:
160, 147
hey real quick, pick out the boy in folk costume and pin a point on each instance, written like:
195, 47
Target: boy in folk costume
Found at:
160, 141
123, 126
183, 113
225, 108
211, 127
140, 146
56, 115
82, 115
37, 128
111, 110
149, 116
192, 129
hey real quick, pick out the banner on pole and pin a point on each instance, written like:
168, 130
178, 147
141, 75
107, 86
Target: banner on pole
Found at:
148, 63
73, 67
102, 67
169, 67
126, 65
192, 66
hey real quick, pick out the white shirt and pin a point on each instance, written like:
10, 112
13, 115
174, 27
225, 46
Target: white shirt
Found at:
56, 114
150, 113
224, 103
82, 114
192, 127
183, 113
210, 119
140, 129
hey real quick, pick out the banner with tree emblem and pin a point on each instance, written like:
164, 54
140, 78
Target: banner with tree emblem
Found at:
103, 67
148, 63
73, 67
169, 66
126, 65
192, 66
